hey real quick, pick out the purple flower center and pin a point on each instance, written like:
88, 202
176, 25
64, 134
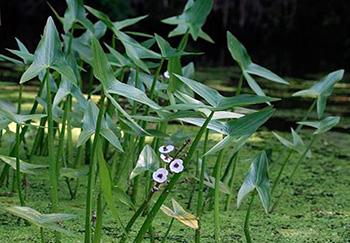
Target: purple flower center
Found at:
160, 176
176, 165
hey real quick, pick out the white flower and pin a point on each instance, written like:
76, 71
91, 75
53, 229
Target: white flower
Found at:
166, 158
166, 75
176, 166
165, 149
160, 175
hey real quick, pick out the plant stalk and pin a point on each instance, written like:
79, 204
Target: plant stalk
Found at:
165, 193
92, 172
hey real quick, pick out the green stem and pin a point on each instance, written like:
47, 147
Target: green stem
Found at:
296, 166
230, 183
60, 152
18, 141
51, 151
99, 214
69, 131
92, 172
217, 197
246, 221
239, 86
171, 184
201, 188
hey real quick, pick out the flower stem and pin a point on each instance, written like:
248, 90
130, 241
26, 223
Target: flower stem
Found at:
153, 212
235, 158
246, 221
92, 166
51, 151
217, 197
239, 86
18, 141
201, 188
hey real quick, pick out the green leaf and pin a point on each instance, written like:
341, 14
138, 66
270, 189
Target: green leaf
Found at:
238, 51
89, 127
75, 13
103, 72
25, 167
48, 54
322, 89
147, 161
192, 19
181, 215
18, 118
118, 25
215, 99
46, 221
264, 73
257, 179
324, 125
297, 144
249, 123
241, 56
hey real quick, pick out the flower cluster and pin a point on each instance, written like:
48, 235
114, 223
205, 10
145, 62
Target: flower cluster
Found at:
173, 164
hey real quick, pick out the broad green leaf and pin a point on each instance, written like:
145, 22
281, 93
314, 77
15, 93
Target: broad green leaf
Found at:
212, 125
264, 73
228, 141
322, 89
167, 51
23, 52
104, 73
147, 161
212, 96
324, 125
46, 221
25, 167
241, 56
257, 179
48, 54
118, 25
215, 99
297, 144
18, 118
181, 215
238, 51
249, 123
192, 19
89, 127
75, 13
